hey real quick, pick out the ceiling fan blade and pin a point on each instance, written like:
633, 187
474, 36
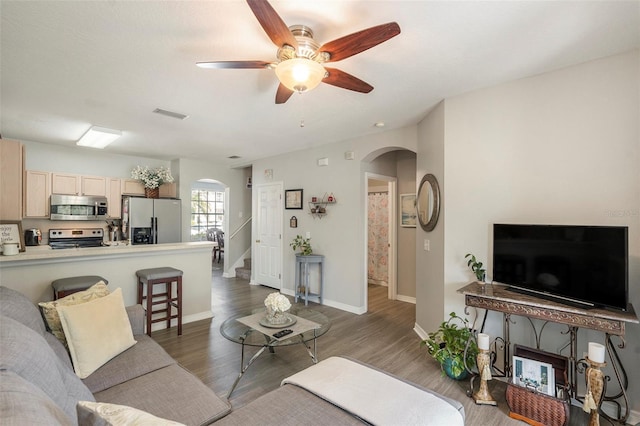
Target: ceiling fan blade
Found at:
283, 94
233, 64
272, 24
346, 81
355, 43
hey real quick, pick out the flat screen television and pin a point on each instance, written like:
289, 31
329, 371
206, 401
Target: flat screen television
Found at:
585, 266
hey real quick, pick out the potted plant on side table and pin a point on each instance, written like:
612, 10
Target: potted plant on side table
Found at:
304, 244
447, 346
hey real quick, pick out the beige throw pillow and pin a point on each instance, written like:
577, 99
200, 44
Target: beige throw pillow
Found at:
96, 331
105, 414
50, 312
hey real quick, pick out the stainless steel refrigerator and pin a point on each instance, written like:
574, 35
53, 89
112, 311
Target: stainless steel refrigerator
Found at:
151, 220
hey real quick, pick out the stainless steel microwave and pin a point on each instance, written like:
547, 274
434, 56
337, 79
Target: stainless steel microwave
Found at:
75, 207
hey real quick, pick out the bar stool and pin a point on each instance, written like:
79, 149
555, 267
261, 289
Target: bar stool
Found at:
65, 286
166, 276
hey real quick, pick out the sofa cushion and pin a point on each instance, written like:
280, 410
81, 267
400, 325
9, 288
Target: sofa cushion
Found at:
27, 354
50, 309
23, 403
142, 358
170, 393
14, 304
96, 331
105, 414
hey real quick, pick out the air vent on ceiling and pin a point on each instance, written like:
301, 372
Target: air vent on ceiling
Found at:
170, 114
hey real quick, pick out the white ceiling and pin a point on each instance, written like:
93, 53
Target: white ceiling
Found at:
67, 65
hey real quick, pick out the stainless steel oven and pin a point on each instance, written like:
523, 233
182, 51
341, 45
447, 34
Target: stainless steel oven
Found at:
74, 207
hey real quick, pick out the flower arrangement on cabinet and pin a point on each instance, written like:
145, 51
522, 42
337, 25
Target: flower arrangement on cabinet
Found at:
152, 178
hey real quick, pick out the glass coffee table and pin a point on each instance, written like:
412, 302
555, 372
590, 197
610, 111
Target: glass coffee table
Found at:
249, 329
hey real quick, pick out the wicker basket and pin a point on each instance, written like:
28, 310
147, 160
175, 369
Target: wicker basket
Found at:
534, 407
152, 192
537, 407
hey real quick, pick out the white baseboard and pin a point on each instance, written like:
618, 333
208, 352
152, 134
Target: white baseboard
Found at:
420, 332
407, 299
343, 307
185, 320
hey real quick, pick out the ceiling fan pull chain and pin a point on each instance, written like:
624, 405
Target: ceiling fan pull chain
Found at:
301, 109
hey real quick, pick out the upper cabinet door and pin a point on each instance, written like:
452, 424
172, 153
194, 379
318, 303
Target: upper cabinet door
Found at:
132, 187
94, 185
37, 190
11, 167
64, 183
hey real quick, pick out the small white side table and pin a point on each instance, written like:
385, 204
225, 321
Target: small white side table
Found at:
302, 276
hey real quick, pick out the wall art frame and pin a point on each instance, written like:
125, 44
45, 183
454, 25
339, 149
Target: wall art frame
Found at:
293, 199
408, 216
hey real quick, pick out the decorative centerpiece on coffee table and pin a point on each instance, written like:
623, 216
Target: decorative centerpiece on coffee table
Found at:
277, 306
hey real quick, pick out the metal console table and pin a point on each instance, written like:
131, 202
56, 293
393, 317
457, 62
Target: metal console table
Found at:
493, 297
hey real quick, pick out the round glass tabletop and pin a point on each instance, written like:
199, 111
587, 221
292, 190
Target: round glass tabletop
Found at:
238, 332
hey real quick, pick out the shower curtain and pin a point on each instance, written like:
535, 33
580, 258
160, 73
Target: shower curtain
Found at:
378, 250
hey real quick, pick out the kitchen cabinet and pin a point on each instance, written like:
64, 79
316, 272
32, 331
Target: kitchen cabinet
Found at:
65, 183
37, 190
168, 190
132, 187
114, 198
11, 168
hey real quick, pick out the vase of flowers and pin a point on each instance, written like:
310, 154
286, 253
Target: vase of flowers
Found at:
277, 305
152, 179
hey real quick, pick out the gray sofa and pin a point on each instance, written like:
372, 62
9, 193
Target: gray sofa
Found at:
38, 384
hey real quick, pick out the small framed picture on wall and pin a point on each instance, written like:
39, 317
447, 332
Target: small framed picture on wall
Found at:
293, 199
408, 210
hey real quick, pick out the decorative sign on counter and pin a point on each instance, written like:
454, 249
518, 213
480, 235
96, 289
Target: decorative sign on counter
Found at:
11, 231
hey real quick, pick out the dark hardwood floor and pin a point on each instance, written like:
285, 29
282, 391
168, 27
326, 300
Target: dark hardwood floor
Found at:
383, 337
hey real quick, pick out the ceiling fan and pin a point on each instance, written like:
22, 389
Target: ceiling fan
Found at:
299, 65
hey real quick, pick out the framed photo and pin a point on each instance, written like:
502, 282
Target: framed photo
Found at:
12, 231
408, 210
535, 375
293, 199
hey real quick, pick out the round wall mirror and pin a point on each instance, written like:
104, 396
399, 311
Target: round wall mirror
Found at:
428, 202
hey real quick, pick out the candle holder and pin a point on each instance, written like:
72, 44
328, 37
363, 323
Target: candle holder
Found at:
595, 390
483, 396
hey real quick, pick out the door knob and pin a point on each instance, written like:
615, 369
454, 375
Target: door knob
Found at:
257, 241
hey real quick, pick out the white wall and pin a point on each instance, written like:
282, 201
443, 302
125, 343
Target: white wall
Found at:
339, 235
429, 264
558, 148
239, 203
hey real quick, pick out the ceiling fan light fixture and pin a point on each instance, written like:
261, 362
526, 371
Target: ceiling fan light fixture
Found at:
300, 74
98, 137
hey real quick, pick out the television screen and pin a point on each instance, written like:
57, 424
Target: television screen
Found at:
583, 265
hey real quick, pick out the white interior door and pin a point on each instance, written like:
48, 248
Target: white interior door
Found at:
268, 244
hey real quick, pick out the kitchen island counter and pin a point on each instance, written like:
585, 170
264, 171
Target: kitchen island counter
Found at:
32, 271
40, 254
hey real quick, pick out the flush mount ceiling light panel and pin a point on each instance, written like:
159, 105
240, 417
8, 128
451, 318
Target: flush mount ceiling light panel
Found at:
98, 137
300, 59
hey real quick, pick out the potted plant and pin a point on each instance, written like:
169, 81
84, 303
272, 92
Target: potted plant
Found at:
476, 267
304, 244
447, 345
